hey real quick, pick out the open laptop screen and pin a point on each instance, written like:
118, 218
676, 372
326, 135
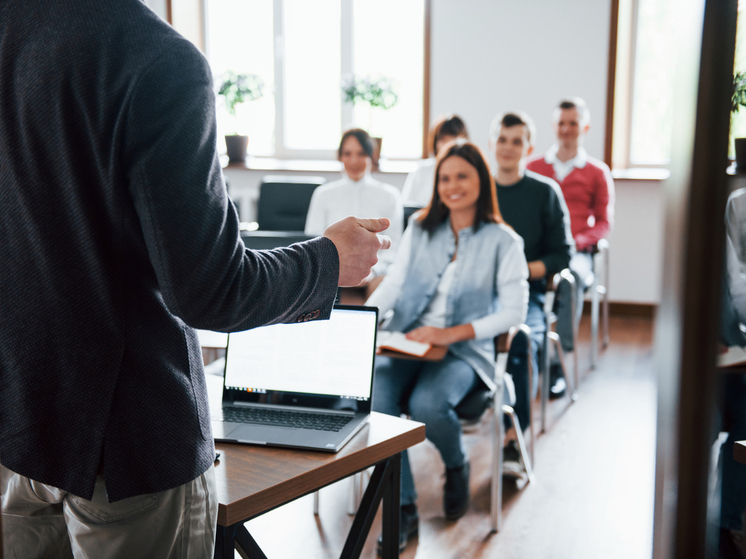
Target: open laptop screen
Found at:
322, 357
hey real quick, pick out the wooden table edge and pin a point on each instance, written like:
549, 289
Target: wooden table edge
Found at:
308, 482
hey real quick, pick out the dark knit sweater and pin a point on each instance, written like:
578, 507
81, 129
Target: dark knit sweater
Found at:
535, 209
117, 239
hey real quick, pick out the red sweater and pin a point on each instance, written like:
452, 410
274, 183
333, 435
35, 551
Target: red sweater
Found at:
589, 192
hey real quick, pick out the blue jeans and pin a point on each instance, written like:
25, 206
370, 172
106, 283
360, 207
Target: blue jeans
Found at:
581, 267
429, 392
535, 320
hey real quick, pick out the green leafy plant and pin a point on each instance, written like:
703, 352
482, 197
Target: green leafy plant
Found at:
378, 92
239, 88
738, 99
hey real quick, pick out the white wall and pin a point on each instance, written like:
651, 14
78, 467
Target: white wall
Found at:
495, 55
489, 56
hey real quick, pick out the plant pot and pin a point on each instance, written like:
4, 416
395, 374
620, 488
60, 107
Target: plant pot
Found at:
376, 151
236, 146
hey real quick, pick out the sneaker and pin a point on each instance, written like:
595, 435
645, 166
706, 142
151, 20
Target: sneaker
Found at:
409, 522
456, 492
513, 466
557, 384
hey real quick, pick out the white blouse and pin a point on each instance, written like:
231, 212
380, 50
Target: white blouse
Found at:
418, 188
366, 198
507, 281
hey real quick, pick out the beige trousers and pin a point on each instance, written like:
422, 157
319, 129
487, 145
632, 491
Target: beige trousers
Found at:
41, 521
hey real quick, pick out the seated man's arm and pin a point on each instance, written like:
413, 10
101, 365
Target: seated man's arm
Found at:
558, 243
602, 211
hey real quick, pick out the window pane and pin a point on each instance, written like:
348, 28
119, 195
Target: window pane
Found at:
240, 38
653, 83
392, 47
313, 100
738, 119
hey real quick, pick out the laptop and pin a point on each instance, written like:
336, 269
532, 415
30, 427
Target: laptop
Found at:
306, 385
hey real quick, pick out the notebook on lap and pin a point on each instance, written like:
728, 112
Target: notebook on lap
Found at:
306, 385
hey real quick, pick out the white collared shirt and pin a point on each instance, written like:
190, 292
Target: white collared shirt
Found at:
564, 168
366, 198
418, 188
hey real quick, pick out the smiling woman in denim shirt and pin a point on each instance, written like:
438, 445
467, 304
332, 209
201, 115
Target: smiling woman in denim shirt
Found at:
459, 279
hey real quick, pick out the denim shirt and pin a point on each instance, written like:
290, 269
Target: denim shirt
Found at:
473, 293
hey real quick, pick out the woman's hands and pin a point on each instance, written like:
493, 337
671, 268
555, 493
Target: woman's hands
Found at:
441, 336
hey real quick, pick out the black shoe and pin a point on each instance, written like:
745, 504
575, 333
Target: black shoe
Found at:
409, 522
513, 466
557, 384
456, 492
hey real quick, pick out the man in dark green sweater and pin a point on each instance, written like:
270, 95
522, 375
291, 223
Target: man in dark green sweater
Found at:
533, 205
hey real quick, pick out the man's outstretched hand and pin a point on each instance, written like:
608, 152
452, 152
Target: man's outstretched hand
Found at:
358, 242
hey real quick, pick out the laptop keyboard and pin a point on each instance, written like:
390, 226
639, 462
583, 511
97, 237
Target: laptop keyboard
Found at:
279, 418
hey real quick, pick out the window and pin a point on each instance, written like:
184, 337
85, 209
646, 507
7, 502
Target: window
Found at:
738, 119
303, 51
643, 93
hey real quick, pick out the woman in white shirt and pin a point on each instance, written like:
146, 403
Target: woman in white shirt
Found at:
459, 279
358, 194
418, 188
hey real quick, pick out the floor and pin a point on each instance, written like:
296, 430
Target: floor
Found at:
593, 494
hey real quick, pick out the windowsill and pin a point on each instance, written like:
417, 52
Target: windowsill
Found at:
310, 165
641, 174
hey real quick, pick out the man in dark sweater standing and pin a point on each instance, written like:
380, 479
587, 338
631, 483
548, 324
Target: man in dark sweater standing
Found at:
118, 239
534, 207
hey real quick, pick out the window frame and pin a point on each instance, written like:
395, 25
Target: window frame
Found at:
346, 68
621, 87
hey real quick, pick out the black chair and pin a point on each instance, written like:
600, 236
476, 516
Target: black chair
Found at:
283, 202
552, 339
471, 409
266, 240
408, 211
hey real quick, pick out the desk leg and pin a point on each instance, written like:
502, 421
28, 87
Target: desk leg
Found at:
384, 484
391, 508
230, 538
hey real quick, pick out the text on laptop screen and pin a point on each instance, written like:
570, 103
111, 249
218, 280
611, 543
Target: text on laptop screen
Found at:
333, 357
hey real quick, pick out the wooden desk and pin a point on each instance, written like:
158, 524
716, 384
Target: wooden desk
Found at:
252, 480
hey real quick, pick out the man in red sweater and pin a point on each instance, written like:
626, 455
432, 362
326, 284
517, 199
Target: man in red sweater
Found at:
586, 184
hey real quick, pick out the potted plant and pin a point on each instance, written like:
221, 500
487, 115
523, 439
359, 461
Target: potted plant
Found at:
738, 100
378, 93
236, 89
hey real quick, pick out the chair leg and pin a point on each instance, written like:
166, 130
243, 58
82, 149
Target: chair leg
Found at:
316, 503
606, 298
521, 442
545, 381
531, 405
595, 292
496, 490
356, 480
561, 356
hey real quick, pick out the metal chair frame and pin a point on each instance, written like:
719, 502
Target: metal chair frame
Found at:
599, 290
502, 348
552, 339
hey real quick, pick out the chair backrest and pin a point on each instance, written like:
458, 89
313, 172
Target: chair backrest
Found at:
284, 200
408, 211
266, 240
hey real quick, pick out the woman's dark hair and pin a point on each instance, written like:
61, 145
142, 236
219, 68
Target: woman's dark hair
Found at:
447, 125
487, 209
362, 137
